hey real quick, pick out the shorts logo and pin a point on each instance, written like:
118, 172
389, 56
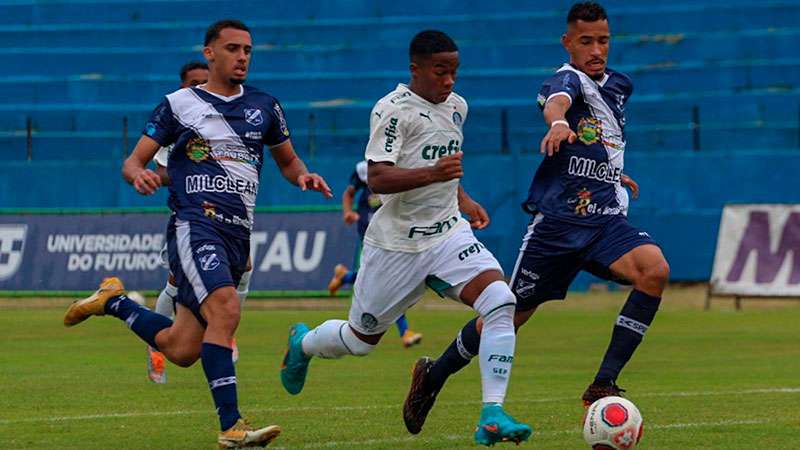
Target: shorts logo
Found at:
524, 288
12, 244
589, 130
584, 200
206, 248
198, 149
209, 262
253, 116
471, 250
368, 321
457, 119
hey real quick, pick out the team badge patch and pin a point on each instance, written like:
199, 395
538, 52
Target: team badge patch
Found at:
589, 130
368, 321
198, 149
209, 262
457, 119
253, 116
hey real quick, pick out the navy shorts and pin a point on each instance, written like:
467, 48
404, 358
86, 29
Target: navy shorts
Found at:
553, 252
203, 259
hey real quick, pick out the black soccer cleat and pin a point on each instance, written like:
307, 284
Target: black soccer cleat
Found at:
420, 398
597, 391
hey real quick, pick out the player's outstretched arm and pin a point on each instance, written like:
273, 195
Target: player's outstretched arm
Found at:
386, 178
631, 184
478, 217
294, 170
555, 111
135, 171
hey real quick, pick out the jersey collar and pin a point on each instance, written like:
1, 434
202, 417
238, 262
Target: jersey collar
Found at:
201, 87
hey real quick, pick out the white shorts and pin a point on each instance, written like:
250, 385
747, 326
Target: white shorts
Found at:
390, 282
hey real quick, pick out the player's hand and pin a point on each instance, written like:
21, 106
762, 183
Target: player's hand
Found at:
146, 182
351, 217
478, 217
558, 133
630, 184
449, 167
315, 183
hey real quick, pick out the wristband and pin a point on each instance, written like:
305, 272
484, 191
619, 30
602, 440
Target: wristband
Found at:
562, 122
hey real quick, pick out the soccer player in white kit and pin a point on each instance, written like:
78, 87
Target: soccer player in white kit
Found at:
419, 237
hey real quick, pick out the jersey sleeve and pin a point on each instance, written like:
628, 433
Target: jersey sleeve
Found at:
277, 131
386, 129
162, 126
564, 83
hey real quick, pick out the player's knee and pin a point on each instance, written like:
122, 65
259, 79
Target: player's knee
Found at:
223, 310
495, 299
657, 274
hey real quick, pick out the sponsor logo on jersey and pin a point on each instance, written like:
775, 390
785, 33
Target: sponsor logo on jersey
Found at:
471, 250
437, 228
584, 200
150, 129
457, 119
281, 119
437, 151
427, 116
400, 96
12, 244
391, 134
219, 183
234, 152
209, 209
589, 168
198, 149
253, 135
253, 116
589, 130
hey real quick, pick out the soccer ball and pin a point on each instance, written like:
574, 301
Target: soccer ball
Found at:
137, 297
613, 423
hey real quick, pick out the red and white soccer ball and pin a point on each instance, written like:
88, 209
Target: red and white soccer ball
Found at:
613, 423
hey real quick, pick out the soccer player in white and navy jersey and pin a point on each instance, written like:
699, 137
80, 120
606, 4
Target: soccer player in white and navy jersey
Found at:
218, 130
419, 237
579, 207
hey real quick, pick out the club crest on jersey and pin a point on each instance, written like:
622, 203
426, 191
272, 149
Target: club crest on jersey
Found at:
198, 149
584, 200
253, 116
457, 119
590, 130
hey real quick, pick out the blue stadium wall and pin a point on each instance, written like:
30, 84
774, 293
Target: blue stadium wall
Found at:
713, 120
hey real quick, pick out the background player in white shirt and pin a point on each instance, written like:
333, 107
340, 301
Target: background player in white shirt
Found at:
418, 237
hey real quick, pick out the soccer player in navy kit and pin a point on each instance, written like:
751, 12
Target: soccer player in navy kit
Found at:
578, 206
219, 130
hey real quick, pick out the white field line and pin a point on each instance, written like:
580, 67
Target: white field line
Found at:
291, 409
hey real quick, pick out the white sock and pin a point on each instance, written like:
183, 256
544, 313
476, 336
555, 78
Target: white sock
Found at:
496, 306
334, 339
165, 304
244, 286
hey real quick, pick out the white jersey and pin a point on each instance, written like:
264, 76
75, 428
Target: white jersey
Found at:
411, 132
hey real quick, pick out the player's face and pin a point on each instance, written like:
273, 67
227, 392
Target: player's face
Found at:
434, 77
195, 77
587, 45
229, 56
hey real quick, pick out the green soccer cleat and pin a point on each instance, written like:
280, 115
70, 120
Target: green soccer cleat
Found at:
295, 362
497, 426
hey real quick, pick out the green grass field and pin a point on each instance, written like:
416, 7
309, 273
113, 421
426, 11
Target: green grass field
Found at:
719, 379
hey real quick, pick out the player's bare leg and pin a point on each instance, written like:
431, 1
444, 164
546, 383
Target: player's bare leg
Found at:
647, 269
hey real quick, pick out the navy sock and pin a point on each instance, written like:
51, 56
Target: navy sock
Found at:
636, 316
145, 323
402, 325
457, 356
350, 277
221, 376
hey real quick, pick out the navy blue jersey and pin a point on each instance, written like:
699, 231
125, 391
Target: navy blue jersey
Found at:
367, 202
219, 150
581, 183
